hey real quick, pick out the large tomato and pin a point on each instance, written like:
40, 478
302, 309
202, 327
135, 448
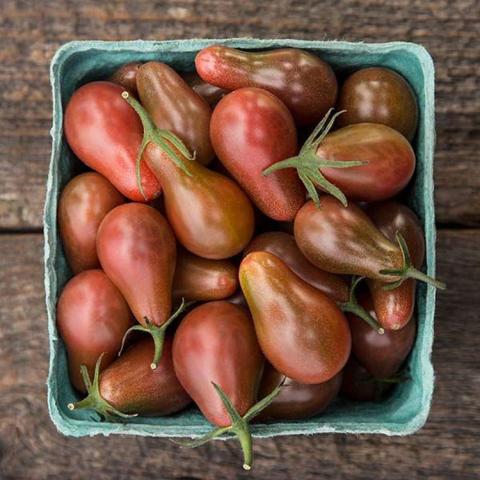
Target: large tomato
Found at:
251, 129
105, 133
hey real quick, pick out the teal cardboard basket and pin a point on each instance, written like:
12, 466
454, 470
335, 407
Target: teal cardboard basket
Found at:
402, 413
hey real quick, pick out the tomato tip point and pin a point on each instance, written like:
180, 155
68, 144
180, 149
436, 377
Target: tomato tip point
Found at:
381, 331
153, 366
71, 406
125, 94
246, 466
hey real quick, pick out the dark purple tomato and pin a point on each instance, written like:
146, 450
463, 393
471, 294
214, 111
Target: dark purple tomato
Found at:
126, 76
382, 355
394, 308
379, 95
358, 383
296, 400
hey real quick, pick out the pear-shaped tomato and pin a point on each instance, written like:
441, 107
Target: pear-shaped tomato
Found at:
304, 82
92, 318
301, 331
251, 129
394, 308
219, 363
365, 162
344, 240
84, 201
137, 251
130, 386
208, 212
106, 135
296, 400
390, 161
210, 332
175, 107
201, 279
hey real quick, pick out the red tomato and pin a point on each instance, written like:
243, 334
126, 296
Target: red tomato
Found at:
390, 157
301, 331
105, 133
92, 318
250, 130
136, 248
83, 204
210, 332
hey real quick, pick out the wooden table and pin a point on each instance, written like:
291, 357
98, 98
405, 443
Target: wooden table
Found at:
30, 32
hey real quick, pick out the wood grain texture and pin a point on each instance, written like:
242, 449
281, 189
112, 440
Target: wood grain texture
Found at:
446, 448
30, 35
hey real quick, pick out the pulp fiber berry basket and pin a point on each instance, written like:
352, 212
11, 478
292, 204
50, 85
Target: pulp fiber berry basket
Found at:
406, 410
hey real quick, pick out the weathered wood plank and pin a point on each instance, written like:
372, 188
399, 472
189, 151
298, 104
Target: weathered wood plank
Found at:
30, 35
447, 447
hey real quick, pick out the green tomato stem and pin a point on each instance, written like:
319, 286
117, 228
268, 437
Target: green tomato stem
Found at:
352, 306
363, 314
94, 399
412, 272
408, 270
164, 139
239, 426
245, 438
308, 164
157, 333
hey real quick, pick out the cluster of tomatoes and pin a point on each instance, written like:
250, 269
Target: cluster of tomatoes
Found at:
258, 244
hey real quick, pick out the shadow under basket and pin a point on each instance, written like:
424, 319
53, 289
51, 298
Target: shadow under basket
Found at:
406, 409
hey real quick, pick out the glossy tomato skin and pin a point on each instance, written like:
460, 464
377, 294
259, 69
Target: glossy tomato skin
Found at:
92, 317
83, 204
379, 95
381, 355
210, 215
394, 308
216, 343
390, 157
126, 76
283, 245
304, 82
131, 386
137, 251
105, 133
201, 279
211, 93
295, 400
301, 331
252, 129
174, 106
344, 240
